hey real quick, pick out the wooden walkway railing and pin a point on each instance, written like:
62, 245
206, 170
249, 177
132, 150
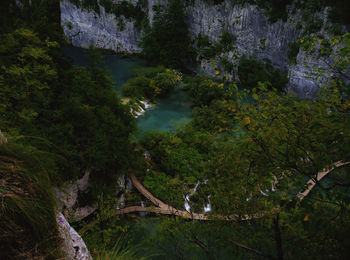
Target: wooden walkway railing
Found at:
165, 209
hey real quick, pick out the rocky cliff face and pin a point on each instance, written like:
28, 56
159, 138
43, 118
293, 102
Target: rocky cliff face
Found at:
255, 35
84, 28
72, 245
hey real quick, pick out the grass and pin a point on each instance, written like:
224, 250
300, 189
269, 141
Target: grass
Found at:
120, 252
27, 209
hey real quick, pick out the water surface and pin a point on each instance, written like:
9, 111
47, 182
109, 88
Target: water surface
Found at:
165, 115
120, 68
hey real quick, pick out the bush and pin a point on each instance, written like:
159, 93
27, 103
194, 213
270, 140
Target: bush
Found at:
225, 44
164, 83
313, 26
130, 11
136, 87
251, 71
293, 50
227, 40
203, 90
150, 83
227, 64
202, 41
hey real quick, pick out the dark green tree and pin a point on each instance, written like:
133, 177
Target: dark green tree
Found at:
167, 42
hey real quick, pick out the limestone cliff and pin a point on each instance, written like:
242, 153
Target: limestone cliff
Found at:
255, 35
72, 245
84, 28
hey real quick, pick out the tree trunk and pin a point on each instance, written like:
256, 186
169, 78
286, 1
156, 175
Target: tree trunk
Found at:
278, 238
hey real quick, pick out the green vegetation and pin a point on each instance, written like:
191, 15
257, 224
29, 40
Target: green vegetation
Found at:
274, 9
278, 9
123, 8
61, 103
60, 120
273, 141
246, 152
151, 83
203, 90
167, 42
293, 50
251, 71
228, 66
129, 11
207, 50
89, 5
27, 209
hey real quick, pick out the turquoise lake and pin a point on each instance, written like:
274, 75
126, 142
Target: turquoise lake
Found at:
165, 115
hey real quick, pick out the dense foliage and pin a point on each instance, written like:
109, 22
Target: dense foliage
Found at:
246, 154
251, 71
208, 50
259, 166
168, 42
71, 107
151, 83
60, 120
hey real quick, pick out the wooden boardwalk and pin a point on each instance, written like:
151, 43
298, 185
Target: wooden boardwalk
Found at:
165, 209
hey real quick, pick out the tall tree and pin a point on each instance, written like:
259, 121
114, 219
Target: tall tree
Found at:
167, 41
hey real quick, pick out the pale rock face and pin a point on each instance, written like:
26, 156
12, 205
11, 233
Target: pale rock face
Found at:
255, 36
83, 212
83, 183
67, 198
84, 28
248, 24
73, 245
300, 75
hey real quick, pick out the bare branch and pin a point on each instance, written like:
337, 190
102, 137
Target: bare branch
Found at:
252, 250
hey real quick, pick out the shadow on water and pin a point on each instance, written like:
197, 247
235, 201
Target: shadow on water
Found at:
120, 68
174, 108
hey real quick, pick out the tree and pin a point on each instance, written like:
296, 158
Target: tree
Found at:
167, 42
256, 169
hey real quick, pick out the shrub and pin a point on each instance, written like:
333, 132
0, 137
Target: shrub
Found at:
251, 71
164, 83
227, 40
150, 83
227, 64
293, 50
202, 41
225, 44
129, 11
136, 87
203, 90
